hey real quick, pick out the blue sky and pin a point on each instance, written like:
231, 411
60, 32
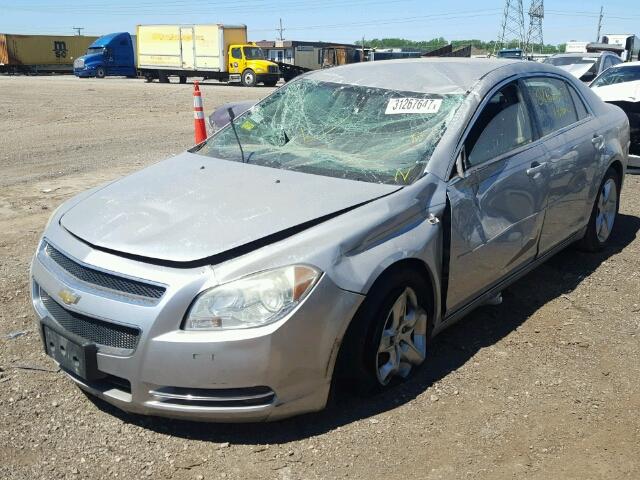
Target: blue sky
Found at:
331, 20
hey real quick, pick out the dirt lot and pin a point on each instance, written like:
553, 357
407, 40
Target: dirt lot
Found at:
547, 385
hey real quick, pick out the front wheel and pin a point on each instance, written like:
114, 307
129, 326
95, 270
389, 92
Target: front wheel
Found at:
604, 213
100, 72
388, 337
249, 78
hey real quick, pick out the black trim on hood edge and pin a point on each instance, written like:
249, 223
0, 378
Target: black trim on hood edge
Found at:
233, 252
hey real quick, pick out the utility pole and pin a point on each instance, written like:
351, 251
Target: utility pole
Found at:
78, 29
362, 59
600, 23
512, 26
280, 30
535, 38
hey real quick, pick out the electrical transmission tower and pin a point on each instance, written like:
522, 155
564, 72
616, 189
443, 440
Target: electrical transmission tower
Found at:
535, 40
512, 27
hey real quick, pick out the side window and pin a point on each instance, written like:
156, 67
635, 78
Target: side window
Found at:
615, 61
552, 103
503, 125
581, 109
236, 53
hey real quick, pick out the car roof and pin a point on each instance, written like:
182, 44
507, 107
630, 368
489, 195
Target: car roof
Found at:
420, 75
626, 64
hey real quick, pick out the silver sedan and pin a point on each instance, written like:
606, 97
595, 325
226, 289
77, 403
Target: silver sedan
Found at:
325, 235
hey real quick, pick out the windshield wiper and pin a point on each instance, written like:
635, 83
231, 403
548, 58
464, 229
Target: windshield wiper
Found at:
232, 116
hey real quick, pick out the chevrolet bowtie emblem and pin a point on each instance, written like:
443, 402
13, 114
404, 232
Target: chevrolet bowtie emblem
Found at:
68, 297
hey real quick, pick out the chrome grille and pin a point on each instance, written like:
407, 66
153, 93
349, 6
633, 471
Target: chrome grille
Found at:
102, 279
273, 69
92, 329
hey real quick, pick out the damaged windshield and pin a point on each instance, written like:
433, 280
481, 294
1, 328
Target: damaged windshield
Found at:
337, 130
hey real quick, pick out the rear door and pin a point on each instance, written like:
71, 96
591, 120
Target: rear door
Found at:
497, 207
570, 135
187, 48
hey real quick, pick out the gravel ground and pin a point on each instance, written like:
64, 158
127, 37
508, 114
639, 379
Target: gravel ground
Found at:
546, 385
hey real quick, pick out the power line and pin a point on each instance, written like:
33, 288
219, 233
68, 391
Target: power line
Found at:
78, 29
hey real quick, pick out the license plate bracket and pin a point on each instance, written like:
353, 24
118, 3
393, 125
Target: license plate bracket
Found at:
72, 352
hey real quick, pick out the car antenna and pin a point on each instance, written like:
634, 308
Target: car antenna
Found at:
232, 116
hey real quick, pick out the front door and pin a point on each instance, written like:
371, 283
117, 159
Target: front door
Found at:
187, 44
497, 208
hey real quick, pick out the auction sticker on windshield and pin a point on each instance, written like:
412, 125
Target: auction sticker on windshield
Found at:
413, 105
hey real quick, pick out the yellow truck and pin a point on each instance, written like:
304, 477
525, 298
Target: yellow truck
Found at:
213, 51
32, 54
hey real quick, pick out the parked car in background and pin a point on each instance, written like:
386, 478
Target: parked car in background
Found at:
325, 235
585, 66
511, 53
620, 86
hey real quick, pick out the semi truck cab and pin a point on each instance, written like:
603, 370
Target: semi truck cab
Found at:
247, 64
111, 54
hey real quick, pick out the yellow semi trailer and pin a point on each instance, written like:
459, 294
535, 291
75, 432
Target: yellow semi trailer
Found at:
41, 53
214, 51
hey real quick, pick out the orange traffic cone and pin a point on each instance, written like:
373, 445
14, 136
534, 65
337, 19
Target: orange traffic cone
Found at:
198, 115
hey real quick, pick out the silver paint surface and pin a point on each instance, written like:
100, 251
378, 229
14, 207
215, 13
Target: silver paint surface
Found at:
502, 221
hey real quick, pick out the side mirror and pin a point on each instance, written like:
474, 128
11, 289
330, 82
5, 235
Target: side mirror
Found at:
222, 115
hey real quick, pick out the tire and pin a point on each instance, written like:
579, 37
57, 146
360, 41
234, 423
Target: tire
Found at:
101, 72
148, 78
183, 79
249, 78
372, 357
163, 77
604, 213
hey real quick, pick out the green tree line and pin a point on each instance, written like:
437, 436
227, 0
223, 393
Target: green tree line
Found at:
434, 43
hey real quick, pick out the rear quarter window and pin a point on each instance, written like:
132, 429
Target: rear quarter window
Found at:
581, 109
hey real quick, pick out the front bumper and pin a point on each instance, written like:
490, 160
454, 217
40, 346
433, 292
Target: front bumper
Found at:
256, 374
84, 72
267, 77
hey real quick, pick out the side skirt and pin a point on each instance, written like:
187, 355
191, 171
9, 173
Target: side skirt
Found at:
504, 283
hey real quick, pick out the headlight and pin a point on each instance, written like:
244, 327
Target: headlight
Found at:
253, 301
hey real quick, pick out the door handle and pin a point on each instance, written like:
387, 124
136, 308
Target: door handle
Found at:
536, 168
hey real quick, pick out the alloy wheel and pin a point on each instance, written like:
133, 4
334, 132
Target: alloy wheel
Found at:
607, 209
403, 343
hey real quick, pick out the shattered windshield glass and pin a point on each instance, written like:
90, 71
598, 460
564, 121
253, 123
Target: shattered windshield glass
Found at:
337, 130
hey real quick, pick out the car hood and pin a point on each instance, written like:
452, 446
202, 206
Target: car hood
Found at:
193, 207
577, 69
619, 92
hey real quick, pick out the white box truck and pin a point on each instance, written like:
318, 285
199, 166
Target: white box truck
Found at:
214, 51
